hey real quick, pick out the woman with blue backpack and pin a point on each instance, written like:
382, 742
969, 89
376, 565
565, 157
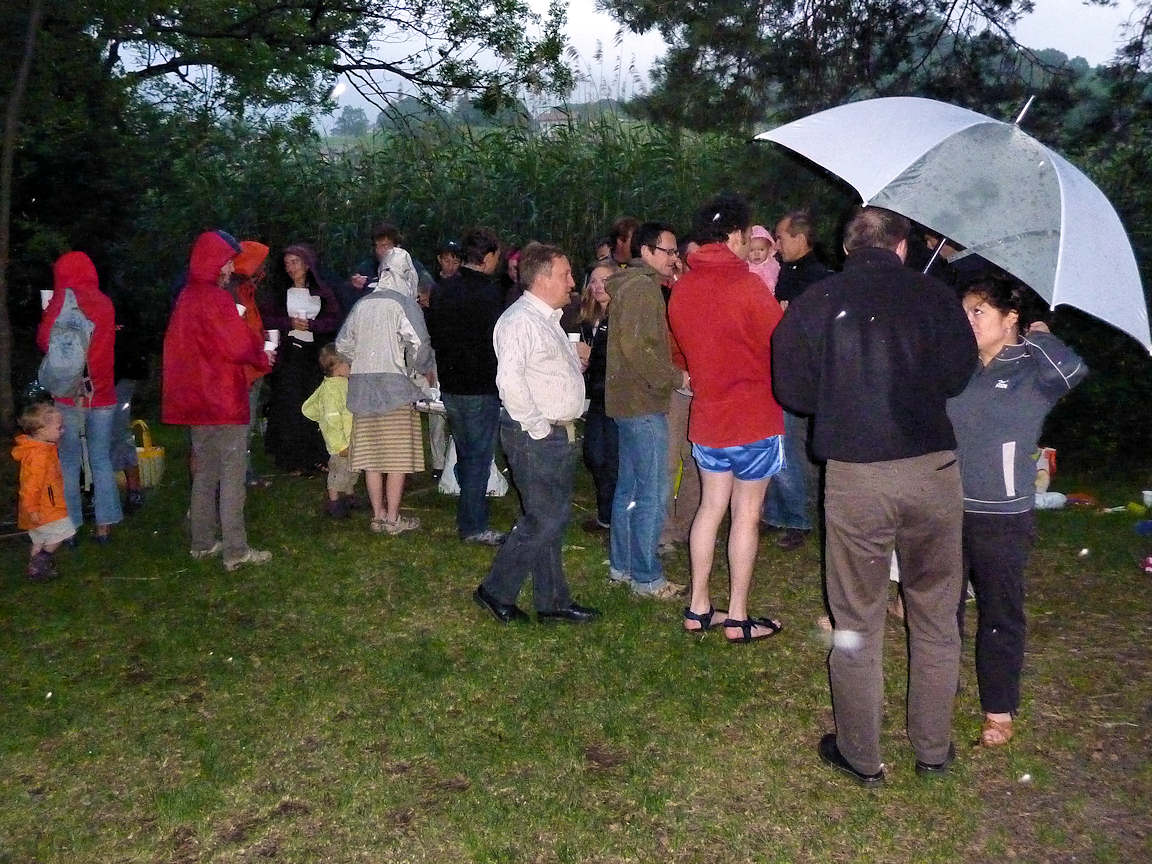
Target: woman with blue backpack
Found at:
82, 384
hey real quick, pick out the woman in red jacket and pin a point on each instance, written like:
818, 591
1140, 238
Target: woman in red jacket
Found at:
93, 415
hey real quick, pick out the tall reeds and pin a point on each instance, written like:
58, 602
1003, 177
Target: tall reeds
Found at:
566, 187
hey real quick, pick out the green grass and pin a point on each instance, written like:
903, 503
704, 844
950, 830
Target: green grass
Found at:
350, 703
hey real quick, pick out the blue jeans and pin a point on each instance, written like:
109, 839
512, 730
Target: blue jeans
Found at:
641, 500
98, 426
786, 503
474, 421
542, 472
601, 446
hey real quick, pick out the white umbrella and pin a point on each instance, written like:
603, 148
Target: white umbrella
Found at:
989, 186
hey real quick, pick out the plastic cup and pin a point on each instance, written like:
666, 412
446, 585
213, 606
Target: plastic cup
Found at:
573, 337
45, 298
1146, 495
272, 337
240, 309
269, 346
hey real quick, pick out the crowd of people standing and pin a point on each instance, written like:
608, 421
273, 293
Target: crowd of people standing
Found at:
721, 374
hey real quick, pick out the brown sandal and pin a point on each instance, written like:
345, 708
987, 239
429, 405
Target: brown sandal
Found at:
995, 733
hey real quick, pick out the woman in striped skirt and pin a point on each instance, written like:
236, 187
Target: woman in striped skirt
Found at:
385, 337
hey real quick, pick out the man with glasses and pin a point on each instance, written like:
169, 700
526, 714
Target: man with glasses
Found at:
639, 382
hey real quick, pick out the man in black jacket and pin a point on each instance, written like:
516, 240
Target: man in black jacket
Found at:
799, 266
873, 354
461, 314
790, 500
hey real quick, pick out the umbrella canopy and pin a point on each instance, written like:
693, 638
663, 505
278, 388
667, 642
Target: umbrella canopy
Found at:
989, 186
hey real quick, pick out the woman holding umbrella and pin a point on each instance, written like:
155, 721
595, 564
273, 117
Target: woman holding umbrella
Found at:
1024, 370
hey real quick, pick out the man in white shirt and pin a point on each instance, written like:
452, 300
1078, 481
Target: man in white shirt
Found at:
541, 383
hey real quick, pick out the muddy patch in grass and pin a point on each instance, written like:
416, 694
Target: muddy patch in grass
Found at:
599, 757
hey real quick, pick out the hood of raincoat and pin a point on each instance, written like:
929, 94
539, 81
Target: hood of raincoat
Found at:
75, 270
717, 255
252, 255
27, 446
211, 251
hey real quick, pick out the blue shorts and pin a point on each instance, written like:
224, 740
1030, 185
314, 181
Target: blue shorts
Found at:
756, 461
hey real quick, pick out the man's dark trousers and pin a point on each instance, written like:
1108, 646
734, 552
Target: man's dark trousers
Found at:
542, 472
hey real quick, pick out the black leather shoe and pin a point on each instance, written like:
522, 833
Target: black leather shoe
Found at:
934, 769
574, 614
830, 754
505, 613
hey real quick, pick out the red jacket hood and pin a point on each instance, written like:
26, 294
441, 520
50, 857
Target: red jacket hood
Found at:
75, 270
251, 257
211, 251
716, 255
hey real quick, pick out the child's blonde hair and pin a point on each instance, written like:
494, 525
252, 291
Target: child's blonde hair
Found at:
330, 358
35, 416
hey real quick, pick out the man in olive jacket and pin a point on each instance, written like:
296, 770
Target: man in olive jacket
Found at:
638, 386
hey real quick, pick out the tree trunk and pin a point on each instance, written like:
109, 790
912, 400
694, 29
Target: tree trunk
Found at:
7, 161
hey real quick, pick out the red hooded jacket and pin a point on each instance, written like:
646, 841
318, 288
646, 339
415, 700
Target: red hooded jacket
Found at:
722, 317
75, 270
208, 345
252, 255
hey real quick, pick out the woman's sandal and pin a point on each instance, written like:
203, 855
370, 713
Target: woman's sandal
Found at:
746, 625
995, 733
704, 619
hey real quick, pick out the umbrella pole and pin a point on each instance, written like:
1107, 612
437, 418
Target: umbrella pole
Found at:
935, 253
1024, 110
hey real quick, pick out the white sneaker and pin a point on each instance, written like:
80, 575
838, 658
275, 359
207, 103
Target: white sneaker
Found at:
487, 537
201, 554
667, 591
618, 577
252, 556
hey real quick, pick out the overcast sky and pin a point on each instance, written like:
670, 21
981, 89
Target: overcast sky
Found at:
1091, 32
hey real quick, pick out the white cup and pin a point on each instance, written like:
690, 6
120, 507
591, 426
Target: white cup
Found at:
1147, 496
272, 337
46, 298
573, 337
240, 308
270, 346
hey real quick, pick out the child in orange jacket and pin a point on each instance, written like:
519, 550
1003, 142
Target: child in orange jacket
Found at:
43, 512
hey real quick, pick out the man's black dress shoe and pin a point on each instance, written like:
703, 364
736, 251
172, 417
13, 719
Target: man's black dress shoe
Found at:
830, 754
575, 614
933, 769
505, 613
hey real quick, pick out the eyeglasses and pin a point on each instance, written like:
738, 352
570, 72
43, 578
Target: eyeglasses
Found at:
674, 252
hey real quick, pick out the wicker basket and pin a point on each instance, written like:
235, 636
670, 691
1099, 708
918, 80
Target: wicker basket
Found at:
151, 458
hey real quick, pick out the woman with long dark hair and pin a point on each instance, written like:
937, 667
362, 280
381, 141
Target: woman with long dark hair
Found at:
304, 309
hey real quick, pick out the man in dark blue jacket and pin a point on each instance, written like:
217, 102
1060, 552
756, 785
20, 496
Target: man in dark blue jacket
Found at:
873, 354
462, 311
